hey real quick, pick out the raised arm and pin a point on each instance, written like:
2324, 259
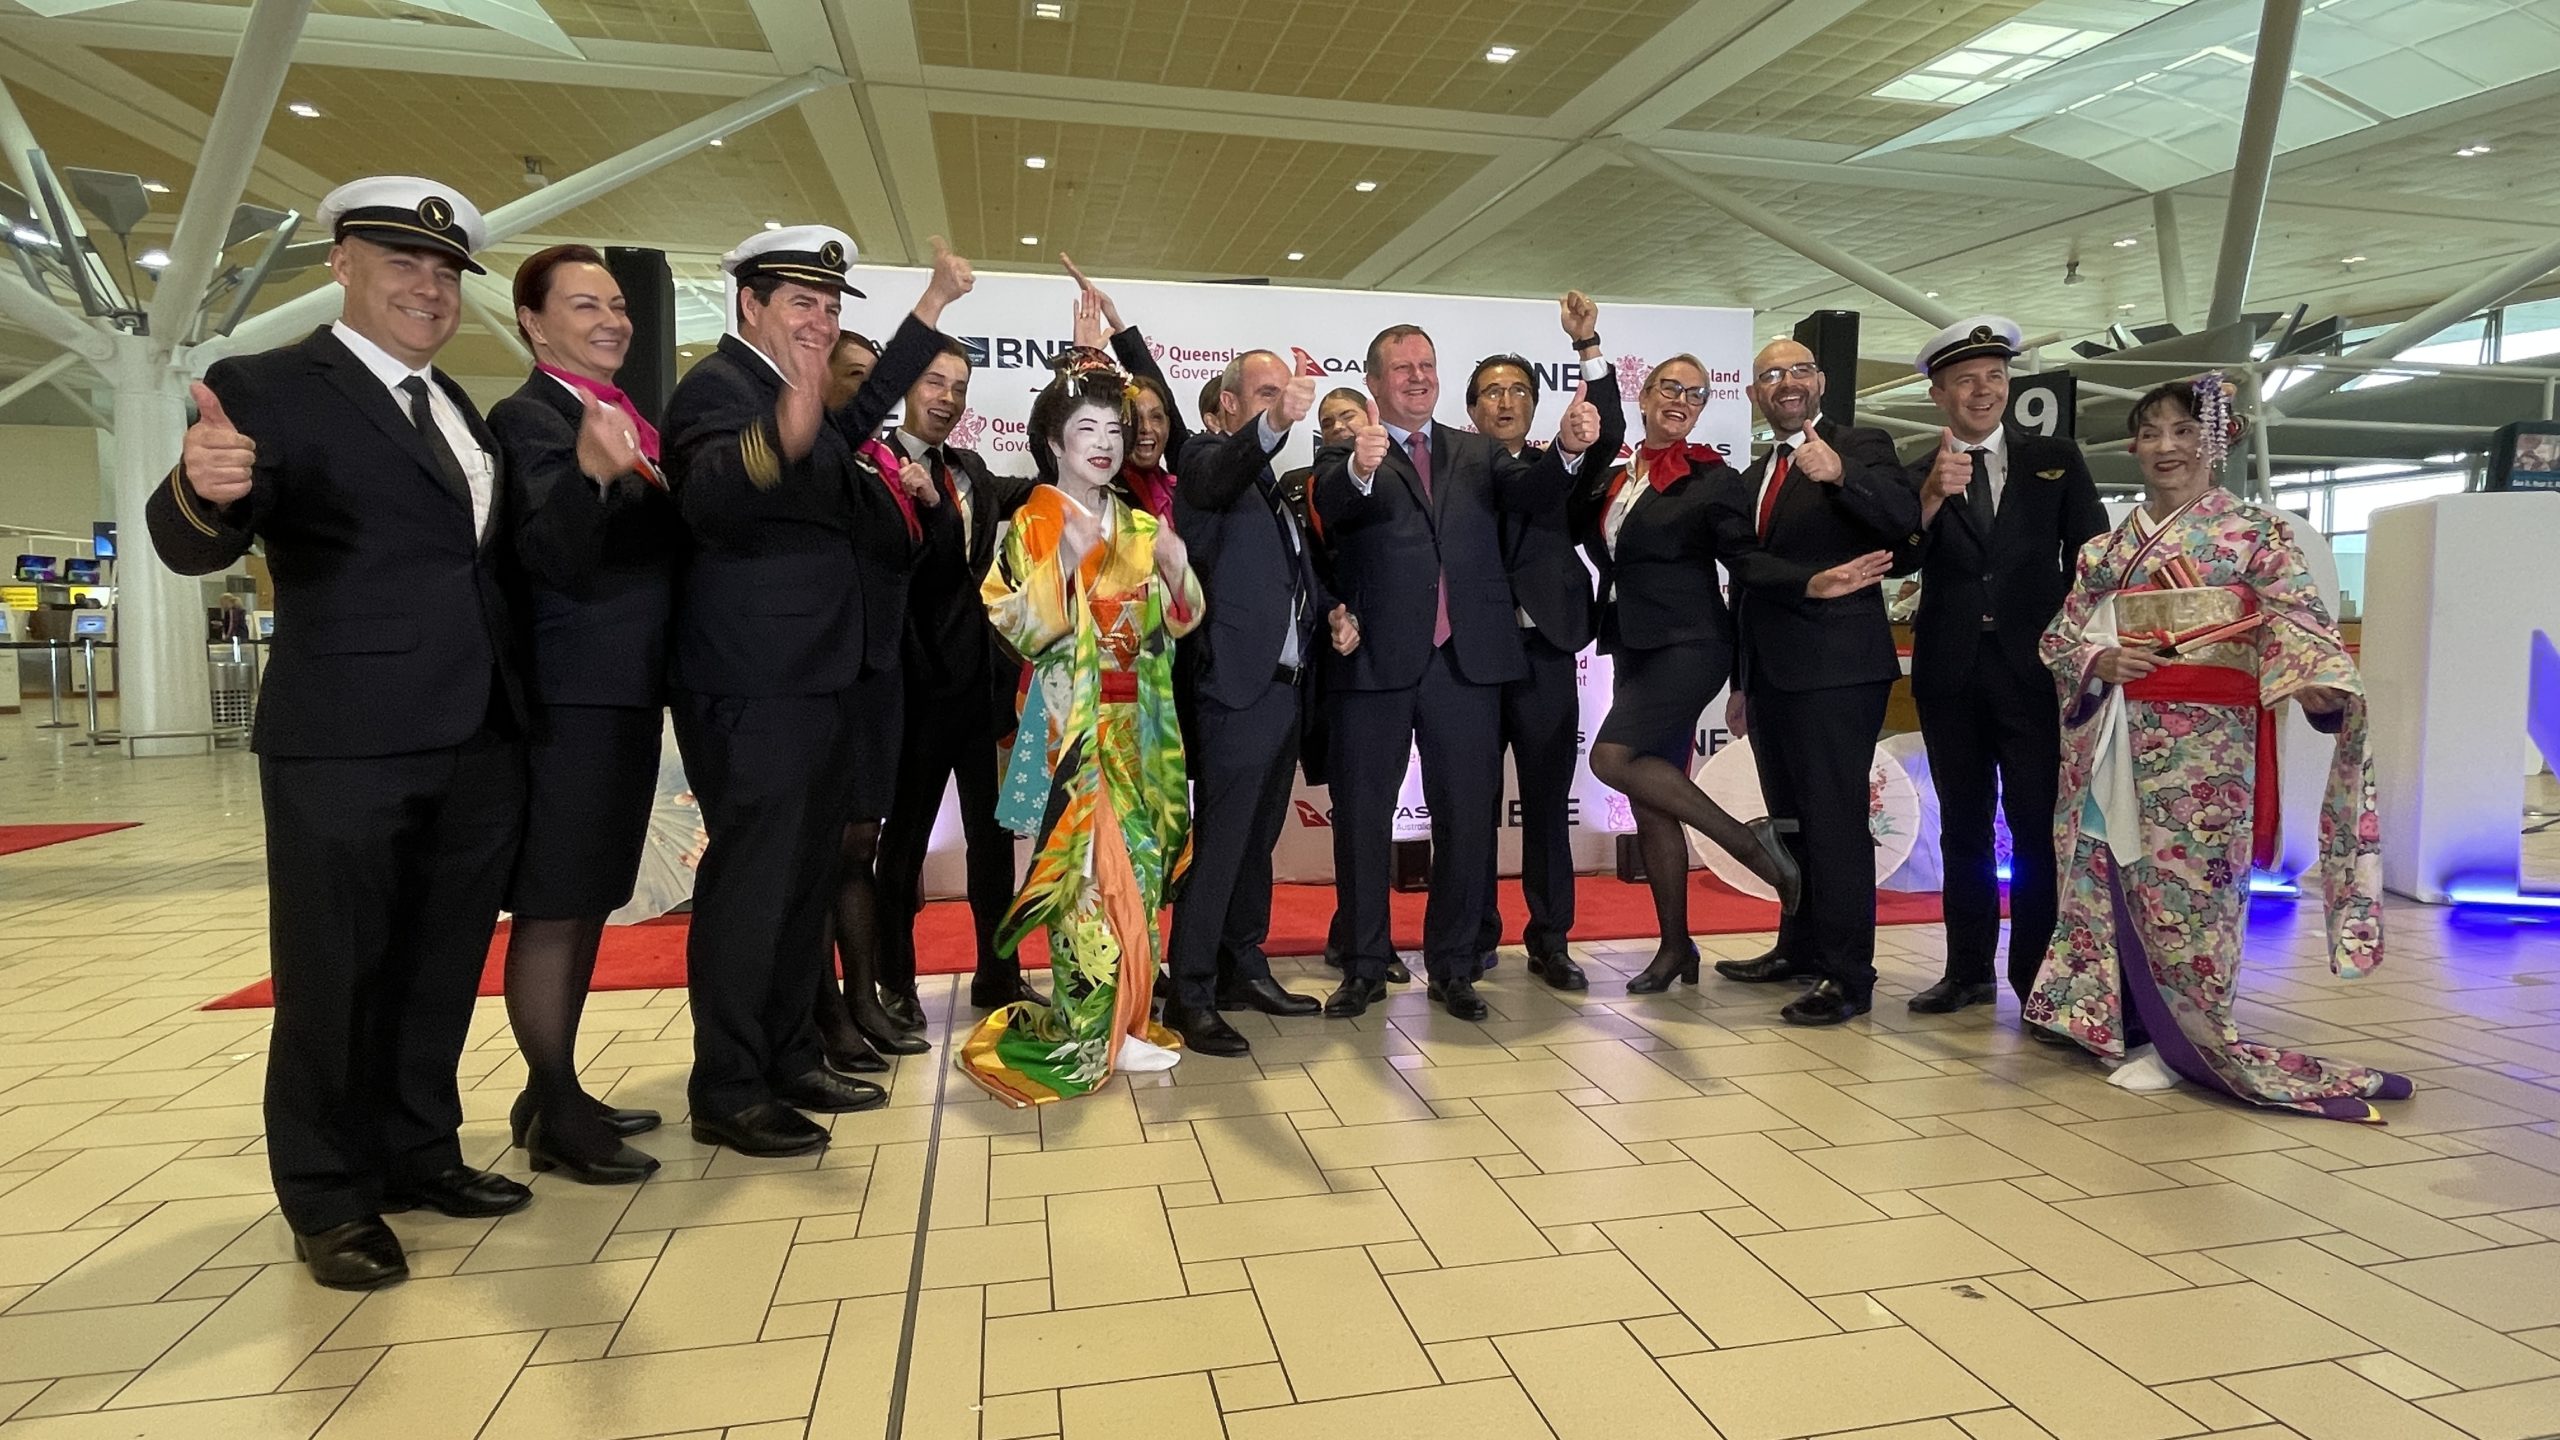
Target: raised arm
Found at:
210, 509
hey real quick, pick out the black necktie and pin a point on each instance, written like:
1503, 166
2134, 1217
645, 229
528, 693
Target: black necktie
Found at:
424, 417
1978, 494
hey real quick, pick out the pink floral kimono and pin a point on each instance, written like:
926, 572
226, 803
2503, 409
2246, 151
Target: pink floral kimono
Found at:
2169, 790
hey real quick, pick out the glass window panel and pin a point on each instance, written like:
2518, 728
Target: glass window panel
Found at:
2353, 506
1964, 62
1916, 87
2019, 37
1967, 94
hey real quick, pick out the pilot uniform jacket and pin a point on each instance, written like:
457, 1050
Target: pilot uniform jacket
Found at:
1392, 546
599, 562
797, 580
2016, 575
394, 624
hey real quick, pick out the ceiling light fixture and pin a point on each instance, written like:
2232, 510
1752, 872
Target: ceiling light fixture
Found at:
2351, 260
1030, 239
2124, 307
152, 259
1364, 186
1297, 254
2472, 152
1501, 54
305, 109
1048, 10
155, 187
1035, 162
1928, 294
717, 142
2127, 243
773, 224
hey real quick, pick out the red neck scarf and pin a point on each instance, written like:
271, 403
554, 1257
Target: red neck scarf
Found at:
647, 432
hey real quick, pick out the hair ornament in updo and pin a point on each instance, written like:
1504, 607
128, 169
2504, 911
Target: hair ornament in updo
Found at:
2215, 417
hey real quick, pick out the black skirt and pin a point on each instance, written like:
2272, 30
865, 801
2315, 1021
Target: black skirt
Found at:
1658, 695
592, 777
875, 726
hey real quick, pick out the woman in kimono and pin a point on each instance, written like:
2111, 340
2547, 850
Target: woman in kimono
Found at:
2189, 628
1092, 591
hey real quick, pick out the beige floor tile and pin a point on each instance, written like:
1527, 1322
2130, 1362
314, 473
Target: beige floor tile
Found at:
2031, 1289
1211, 1277
791, 1322
1628, 1074
1462, 1214
145, 1260
861, 1365
1338, 1329
1016, 1417
1872, 1378
2360, 1205
77, 1394
1777, 1181
502, 1302
566, 1225
1878, 1256
1460, 1361
1726, 1061
1130, 1342
1354, 1147
570, 1342
2473, 1185
2329, 1402
1823, 1109
950, 1328
665, 1204
1554, 1133
2085, 1261
2197, 1334
2162, 1138
1721, 1287
1479, 1410
257, 1417
1111, 1120
1367, 1092
2064, 1155
1276, 1227
1587, 1196
2203, 1216
1521, 1295
2398, 1376
2512, 1412
1858, 1311
437, 1390
248, 1345
1942, 1095
1665, 1335
2044, 1373
2512, 1289
1907, 1164
619, 1398
80, 1184
1254, 1157
838, 1269
1106, 1167
2212, 1405
1597, 1383
1251, 1097
35, 1259
1109, 1247
1401, 1256
712, 1286
1251, 1387
959, 1184
2451, 1345
1688, 1119
1466, 1082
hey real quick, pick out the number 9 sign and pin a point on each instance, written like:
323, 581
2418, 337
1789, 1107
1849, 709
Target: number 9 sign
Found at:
2043, 404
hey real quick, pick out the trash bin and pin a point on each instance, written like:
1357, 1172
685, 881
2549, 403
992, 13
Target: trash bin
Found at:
234, 689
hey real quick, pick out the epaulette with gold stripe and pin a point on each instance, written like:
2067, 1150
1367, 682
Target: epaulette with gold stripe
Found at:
186, 499
763, 459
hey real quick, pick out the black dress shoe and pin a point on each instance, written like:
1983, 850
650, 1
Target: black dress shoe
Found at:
1665, 967
461, 1192
1558, 970
1353, 997
620, 1122
1789, 881
994, 993
1397, 974
768, 1128
1460, 999
359, 1255
1825, 1004
904, 1005
625, 1166
1206, 1031
1766, 969
852, 1055
629, 1122
1949, 996
828, 1093
2042, 1036
1260, 993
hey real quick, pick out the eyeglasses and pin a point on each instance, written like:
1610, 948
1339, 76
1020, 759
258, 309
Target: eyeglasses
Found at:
1801, 370
1504, 392
1670, 389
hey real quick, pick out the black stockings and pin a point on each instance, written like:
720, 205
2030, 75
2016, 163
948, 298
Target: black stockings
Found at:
549, 963
857, 917
1664, 800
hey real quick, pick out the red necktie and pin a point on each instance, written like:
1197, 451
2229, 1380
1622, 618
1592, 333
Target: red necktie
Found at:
1418, 445
1778, 469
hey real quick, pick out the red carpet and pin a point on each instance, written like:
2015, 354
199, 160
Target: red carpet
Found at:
14, 838
651, 956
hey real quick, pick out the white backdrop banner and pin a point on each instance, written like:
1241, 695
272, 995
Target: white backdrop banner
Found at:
1013, 324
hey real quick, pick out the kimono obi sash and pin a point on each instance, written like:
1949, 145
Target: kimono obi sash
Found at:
1119, 687
2206, 678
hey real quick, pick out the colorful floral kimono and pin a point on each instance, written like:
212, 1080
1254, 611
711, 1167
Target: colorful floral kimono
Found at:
2169, 792
1115, 832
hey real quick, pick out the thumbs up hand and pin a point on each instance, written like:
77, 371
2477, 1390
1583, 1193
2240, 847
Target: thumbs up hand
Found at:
917, 481
1297, 398
1581, 427
1952, 474
217, 458
1368, 445
952, 278
1815, 460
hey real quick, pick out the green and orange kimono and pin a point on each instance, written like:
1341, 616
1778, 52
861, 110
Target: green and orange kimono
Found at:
2169, 794
1115, 832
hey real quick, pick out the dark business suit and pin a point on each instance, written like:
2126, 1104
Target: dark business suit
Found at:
1991, 579
599, 570
1392, 547
960, 683
792, 596
390, 762
1251, 689
1316, 737
1817, 674
1542, 710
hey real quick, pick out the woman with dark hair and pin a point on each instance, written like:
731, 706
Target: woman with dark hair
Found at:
1092, 591
1649, 529
2188, 629
598, 550
1156, 432
848, 365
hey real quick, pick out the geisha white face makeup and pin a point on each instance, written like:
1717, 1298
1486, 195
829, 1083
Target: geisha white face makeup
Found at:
1090, 446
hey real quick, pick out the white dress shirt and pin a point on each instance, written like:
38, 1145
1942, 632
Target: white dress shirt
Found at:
1995, 453
479, 471
1769, 472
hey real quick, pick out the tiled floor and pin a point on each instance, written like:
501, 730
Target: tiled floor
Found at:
1590, 1216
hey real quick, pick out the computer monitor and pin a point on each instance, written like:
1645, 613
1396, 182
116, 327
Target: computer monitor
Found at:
105, 545
79, 571
89, 622
39, 569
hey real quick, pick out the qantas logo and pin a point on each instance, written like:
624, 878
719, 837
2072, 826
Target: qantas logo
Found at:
1310, 818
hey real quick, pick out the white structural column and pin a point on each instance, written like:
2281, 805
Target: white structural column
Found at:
161, 681
2270, 72
2479, 295
231, 144
2173, 258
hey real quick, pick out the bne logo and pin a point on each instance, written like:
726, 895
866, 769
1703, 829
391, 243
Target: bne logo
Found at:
1012, 352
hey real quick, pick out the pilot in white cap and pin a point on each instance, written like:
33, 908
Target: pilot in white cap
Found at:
407, 213
808, 254
1970, 340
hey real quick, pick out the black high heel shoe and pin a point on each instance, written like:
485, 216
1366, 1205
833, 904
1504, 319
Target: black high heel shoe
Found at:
1657, 977
854, 1055
905, 1007
1789, 878
622, 1123
626, 1166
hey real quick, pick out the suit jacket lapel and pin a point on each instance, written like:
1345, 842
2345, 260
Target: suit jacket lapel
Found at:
375, 404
